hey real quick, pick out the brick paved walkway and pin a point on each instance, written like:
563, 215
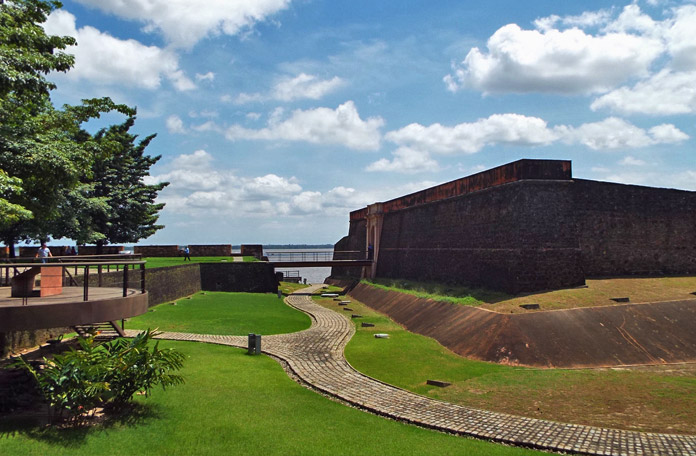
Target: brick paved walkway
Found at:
315, 356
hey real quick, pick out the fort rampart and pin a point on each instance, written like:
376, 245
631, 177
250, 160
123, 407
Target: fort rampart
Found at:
527, 226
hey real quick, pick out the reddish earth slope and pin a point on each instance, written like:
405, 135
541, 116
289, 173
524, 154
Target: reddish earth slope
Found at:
655, 333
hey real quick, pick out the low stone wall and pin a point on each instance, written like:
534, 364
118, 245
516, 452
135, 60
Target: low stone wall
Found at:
255, 250
157, 250
162, 284
243, 277
16, 341
211, 250
106, 249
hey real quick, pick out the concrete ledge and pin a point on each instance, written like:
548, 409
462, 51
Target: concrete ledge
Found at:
108, 304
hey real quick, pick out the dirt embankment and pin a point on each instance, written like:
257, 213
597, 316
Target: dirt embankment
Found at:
618, 335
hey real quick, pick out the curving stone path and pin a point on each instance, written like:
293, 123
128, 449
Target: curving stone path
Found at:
315, 356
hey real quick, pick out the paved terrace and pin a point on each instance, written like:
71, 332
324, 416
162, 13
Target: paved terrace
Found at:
315, 356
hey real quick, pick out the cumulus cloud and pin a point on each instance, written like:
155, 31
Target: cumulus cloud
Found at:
615, 133
185, 22
634, 63
664, 93
557, 61
104, 59
302, 86
406, 160
342, 126
200, 185
471, 137
416, 143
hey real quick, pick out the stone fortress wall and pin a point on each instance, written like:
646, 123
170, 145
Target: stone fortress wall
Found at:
527, 226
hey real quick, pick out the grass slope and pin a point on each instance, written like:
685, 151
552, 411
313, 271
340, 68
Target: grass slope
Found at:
656, 399
224, 313
598, 292
237, 404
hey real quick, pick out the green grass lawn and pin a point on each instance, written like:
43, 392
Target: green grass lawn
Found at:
160, 262
655, 399
233, 404
209, 312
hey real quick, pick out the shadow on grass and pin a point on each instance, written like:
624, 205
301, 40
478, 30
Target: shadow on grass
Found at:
73, 436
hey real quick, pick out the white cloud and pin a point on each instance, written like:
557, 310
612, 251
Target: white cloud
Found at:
615, 133
568, 61
684, 180
318, 126
302, 86
417, 142
202, 187
103, 59
664, 93
209, 76
586, 19
471, 137
175, 124
185, 22
406, 160
632, 161
681, 39
305, 86
667, 134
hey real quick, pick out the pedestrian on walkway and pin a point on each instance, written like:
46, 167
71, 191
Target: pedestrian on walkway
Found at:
43, 253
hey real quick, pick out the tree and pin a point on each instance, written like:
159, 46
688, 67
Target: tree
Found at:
118, 179
44, 153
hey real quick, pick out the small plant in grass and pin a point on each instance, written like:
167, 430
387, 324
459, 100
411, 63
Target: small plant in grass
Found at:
133, 367
105, 375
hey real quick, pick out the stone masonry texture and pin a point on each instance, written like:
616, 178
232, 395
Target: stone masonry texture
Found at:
536, 234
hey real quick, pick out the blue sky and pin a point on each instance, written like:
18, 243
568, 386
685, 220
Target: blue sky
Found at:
275, 118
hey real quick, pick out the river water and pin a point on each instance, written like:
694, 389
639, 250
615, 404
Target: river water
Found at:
313, 275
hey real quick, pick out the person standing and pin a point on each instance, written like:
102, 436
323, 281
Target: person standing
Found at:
43, 253
187, 254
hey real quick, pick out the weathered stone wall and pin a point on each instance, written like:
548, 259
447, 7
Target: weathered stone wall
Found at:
532, 235
15, 341
211, 250
245, 277
255, 250
634, 230
162, 284
515, 237
355, 241
157, 250
106, 250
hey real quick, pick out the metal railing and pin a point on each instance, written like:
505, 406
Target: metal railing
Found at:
314, 255
85, 272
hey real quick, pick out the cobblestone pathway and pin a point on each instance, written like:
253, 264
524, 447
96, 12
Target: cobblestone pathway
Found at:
315, 356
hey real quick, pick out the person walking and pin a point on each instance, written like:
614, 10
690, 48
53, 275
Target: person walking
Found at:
43, 253
187, 255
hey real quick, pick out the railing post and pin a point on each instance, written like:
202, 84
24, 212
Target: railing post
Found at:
142, 277
125, 281
99, 273
86, 284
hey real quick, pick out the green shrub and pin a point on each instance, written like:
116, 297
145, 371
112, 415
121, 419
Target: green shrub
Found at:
103, 375
133, 368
